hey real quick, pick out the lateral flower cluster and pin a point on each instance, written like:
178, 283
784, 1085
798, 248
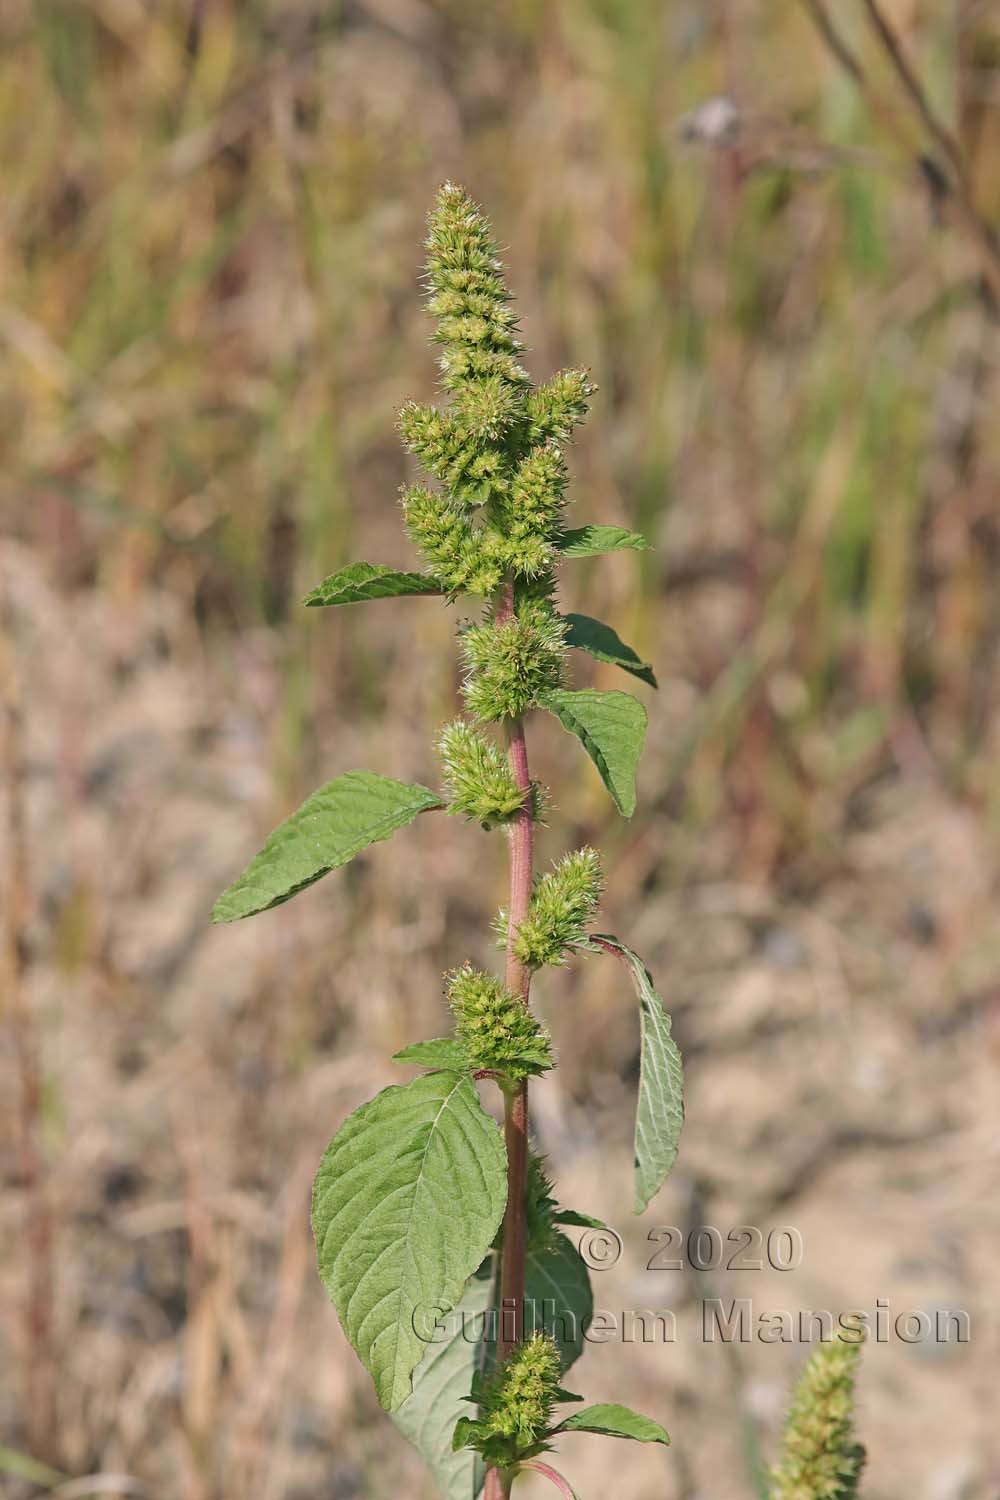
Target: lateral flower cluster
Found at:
563, 903
500, 1034
515, 1404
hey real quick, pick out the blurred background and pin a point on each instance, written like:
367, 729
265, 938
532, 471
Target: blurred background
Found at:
766, 227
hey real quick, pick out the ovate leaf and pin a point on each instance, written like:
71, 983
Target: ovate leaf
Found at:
362, 581
557, 1296
330, 827
592, 541
405, 1205
441, 1382
602, 643
558, 1299
659, 1114
611, 727
615, 1421
442, 1052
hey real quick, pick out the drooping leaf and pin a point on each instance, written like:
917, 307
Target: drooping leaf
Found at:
558, 1299
611, 727
331, 826
614, 1421
406, 1202
659, 1114
440, 1052
362, 581
603, 644
592, 541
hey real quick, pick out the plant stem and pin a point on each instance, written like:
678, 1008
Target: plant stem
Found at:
518, 979
497, 1486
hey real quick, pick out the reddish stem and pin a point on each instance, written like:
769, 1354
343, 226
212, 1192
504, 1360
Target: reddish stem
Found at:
518, 979
561, 1484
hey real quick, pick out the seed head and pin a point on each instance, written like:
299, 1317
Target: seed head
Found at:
820, 1459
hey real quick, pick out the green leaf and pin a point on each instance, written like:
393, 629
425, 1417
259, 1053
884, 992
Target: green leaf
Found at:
571, 1216
362, 581
330, 827
558, 1298
467, 1429
406, 1202
660, 1107
592, 541
442, 1052
615, 1421
611, 727
441, 1383
602, 643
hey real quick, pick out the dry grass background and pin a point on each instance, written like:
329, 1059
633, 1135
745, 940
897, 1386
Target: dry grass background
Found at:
209, 241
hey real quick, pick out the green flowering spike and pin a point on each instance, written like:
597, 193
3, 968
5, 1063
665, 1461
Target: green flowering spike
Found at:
477, 328
562, 906
820, 1459
436, 439
554, 409
460, 556
538, 493
439, 533
477, 776
515, 1404
495, 1026
453, 453
510, 664
528, 516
